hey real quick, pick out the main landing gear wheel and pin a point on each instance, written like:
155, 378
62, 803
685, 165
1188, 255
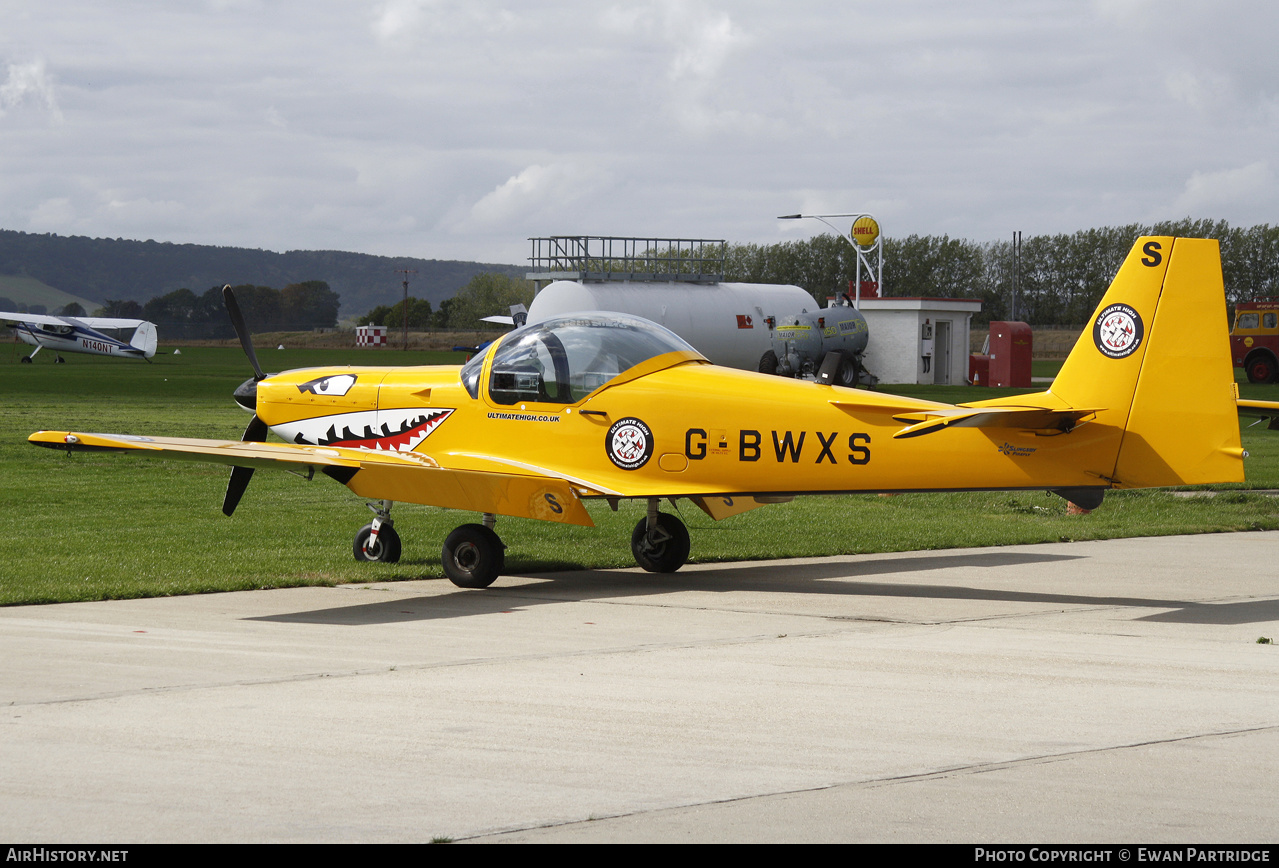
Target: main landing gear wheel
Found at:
26, 360
663, 551
385, 549
473, 556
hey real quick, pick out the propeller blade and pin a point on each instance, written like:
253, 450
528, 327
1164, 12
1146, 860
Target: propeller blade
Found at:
239, 481
241, 330
246, 396
240, 476
256, 432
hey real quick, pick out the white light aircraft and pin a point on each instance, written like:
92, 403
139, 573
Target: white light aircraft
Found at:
82, 334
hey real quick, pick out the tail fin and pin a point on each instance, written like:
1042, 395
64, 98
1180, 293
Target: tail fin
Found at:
1156, 356
144, 338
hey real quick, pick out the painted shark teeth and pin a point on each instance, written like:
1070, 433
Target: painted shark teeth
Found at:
380, 430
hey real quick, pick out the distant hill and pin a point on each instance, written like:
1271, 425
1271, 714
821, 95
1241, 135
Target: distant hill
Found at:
98, 269
28, 291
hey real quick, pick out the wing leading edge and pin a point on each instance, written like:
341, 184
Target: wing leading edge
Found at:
406, 477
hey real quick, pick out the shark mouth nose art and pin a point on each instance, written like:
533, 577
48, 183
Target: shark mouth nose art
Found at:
379, 430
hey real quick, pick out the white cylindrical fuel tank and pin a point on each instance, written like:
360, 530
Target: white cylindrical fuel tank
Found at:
724, 321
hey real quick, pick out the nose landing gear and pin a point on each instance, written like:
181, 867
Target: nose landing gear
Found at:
378, 541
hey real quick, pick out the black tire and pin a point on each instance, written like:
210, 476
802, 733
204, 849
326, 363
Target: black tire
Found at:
768, 363
385, 551
58, 360
26, 360
1260, 368
473, 556
847, 374
666, 556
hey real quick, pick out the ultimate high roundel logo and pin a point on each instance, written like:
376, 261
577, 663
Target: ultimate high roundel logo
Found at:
1118, 331
629, 443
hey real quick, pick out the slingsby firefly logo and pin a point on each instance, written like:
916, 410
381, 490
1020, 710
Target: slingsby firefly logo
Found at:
1118, 331
629, 443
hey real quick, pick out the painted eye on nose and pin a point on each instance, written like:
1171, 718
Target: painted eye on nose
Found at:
334, 386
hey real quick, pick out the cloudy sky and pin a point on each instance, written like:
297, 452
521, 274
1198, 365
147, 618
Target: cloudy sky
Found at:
456, 130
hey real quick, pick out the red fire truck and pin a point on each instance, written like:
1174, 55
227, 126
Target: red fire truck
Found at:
1254, 341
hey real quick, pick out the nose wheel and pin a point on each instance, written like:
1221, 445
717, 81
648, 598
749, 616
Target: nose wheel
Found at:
378, 541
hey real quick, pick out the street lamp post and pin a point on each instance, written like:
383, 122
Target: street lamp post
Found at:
865, 240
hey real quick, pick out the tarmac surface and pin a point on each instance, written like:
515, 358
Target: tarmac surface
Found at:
1088, 692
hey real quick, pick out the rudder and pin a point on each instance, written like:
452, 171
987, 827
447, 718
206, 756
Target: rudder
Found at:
1156, 358
145, 339
1184, 424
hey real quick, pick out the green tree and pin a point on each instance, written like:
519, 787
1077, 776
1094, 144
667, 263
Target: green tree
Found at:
420, 315
124, 309
174, 312
260, 306
486, 294
309, 305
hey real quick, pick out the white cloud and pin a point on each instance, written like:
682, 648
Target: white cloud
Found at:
402, 21
53, 215
702, 40
398, 18
535, 190
698, 47
1226, 192
29, 83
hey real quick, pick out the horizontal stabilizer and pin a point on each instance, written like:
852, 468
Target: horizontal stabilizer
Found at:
1040, 420
1262, 410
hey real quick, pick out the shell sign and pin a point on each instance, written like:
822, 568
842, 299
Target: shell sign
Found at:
865, 231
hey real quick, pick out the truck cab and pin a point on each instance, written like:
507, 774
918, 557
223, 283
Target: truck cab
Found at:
1254, 339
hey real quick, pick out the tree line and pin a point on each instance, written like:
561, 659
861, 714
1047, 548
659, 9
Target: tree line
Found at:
183, 315
484, 295
1061, 278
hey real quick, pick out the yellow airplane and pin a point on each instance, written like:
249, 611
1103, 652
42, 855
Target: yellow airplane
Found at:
611, 406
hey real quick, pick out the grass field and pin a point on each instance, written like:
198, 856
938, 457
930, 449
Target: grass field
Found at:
90, 527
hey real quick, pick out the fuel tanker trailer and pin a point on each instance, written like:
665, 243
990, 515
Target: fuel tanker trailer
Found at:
727, 322
801, 342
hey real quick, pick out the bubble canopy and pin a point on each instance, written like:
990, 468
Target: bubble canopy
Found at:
562, 360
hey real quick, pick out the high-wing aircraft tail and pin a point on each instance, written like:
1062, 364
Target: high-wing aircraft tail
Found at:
1155, 361
145, 339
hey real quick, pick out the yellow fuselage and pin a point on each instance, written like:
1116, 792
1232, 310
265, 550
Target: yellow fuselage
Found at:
714, 431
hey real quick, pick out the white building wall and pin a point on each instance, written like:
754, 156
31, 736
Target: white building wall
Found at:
895, 350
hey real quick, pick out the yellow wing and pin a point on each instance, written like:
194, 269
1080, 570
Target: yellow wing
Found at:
406, 477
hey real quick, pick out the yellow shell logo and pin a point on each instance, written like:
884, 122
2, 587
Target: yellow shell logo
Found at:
865, 231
